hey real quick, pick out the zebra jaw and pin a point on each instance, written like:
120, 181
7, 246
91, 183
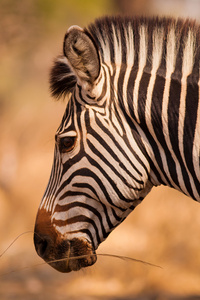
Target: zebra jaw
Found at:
60, 253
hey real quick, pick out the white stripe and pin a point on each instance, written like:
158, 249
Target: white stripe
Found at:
115, 120
142, 62
156, 60
130, 56
196, 143
129, 37
118, 59
106, 51
71, 133
117, 46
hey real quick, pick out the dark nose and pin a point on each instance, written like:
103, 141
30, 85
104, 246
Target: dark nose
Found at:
42, 245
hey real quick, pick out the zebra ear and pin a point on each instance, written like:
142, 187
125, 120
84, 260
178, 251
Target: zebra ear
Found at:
82, 55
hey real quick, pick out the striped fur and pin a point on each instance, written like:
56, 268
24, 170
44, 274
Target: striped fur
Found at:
138, 124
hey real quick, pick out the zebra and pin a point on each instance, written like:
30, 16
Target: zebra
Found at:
132, 121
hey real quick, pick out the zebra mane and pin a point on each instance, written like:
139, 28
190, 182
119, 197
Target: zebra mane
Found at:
120, 40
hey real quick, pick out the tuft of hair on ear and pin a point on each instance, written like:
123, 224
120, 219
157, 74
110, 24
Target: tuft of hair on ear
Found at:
62, 79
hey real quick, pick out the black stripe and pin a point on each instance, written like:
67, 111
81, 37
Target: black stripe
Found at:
190, 125
156, 116
173, 116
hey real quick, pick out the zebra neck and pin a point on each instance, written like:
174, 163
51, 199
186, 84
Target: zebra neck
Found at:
166, 113
154, 70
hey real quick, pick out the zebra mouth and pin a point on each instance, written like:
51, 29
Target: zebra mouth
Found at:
65, 255
73, 256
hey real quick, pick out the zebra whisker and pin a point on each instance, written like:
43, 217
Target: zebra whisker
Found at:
122, 257
20, 235
125, 258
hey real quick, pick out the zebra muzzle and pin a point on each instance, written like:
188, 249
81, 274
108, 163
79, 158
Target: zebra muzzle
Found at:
65, 255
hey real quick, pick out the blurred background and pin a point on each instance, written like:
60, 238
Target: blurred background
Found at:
164, 229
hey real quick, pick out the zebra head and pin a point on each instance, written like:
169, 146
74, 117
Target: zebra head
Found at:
100, 170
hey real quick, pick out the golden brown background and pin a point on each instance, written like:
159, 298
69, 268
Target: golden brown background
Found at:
164, 229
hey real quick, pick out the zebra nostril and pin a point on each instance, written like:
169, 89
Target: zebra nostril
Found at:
41, 245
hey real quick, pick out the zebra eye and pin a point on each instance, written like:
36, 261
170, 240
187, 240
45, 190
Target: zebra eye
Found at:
66, 144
